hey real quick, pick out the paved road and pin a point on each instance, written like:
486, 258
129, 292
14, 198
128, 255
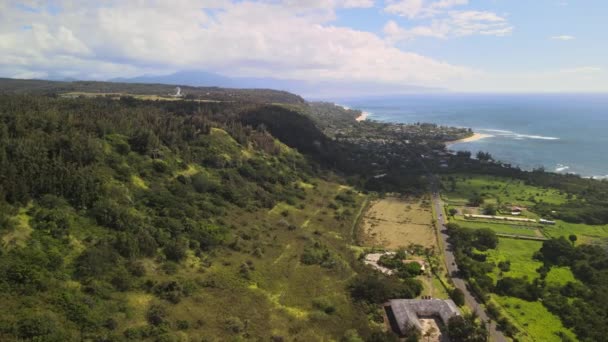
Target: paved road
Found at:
452, 268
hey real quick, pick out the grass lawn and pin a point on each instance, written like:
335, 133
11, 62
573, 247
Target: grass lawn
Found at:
497, 188
533, 319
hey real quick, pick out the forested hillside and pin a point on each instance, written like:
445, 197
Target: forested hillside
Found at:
169, 220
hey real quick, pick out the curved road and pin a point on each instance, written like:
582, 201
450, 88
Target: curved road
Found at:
452, 268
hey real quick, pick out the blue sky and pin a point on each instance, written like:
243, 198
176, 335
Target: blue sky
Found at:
459, 45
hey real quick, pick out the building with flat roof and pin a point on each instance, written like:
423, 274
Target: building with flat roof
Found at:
406, 313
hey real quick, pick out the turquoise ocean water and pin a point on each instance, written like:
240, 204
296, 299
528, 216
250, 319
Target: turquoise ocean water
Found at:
562, 133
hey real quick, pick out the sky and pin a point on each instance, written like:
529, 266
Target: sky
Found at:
457, 45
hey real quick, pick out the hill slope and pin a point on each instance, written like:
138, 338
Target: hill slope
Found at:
166, 221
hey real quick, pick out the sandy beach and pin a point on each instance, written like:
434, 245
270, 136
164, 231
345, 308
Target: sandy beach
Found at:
474, 137
362, 117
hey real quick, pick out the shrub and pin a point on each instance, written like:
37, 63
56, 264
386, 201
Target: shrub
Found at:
234, 325
156, 314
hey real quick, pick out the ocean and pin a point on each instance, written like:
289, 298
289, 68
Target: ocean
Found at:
566, 133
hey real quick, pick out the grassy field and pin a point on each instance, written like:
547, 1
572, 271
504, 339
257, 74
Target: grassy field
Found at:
496, 189
394, 222
520, 253
151, 97
504, 228
585, 233
535, 322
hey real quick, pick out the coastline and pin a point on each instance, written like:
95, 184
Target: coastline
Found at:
362, 117
474, 137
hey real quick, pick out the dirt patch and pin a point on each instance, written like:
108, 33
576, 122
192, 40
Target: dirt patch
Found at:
397, 222
430, 330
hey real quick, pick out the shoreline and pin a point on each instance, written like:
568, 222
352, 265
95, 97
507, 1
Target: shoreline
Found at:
474, 137
362, 117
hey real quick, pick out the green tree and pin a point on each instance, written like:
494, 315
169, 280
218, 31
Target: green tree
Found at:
457, 296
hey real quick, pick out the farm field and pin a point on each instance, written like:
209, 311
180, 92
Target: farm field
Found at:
497, 189
394, 222
535, 322
501, 228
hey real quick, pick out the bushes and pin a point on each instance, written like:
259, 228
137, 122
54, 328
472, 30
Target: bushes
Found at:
234, 325
467, 329
518, 287
175, 250
172, 291
324, 304
156, 314
317, 254
374, 288
37, 327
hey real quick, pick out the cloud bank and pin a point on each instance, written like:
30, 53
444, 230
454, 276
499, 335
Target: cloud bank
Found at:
283, 39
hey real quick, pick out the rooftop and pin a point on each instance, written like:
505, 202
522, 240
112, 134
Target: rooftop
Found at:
407, 312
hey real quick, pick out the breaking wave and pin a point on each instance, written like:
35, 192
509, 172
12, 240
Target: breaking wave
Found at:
516, 136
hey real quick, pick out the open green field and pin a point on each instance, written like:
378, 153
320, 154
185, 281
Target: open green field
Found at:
585, 233
504, 228
497, 189
520, 253
151, 97
534, 321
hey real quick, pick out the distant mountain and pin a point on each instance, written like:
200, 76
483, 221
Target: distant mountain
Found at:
208, 79
311, 89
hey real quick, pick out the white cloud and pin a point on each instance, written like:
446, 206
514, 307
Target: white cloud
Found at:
563, 37
282, 39
421, 8
582, 70
455, 24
